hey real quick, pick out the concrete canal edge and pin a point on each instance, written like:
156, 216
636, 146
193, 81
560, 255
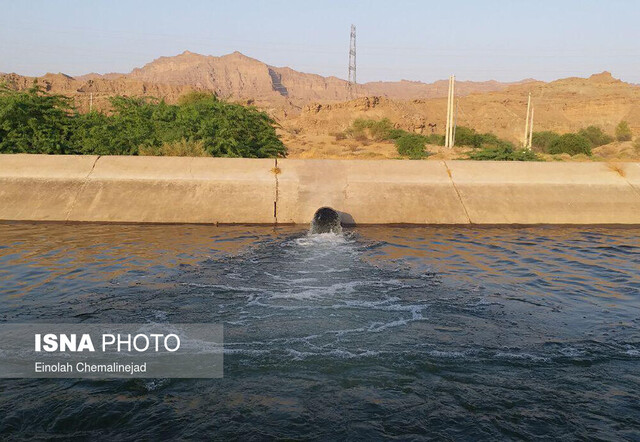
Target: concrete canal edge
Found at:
267, 191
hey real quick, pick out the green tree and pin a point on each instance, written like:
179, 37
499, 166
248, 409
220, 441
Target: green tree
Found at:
543, 140
623, 131
412, 146
572, 144
596, 136
35, 122
469, 137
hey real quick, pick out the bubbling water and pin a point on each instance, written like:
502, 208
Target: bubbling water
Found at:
448, 333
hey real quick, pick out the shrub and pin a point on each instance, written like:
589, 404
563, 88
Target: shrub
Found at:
469, 137
596, 136
503, 152
361, 138
34, 121
191, 97
544, 140
339, 136
408, 144
380, 130
377, 130
394, 134
182, 148
436, 139
37, 122
489, 139
572, 144
412, 145
636, 145
623, 131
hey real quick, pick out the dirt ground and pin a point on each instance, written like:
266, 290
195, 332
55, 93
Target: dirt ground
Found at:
313, 146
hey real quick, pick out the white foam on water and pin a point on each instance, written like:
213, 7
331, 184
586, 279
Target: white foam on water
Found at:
245, 351
571, 352
322, 239
337, 353
330, 270
160, 315
446, 354
234, 288
377, 327
384, 305
322, 292
290, 281
632, 351
154, 384
521, 356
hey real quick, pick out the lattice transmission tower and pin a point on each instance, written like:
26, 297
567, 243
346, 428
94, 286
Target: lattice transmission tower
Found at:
352, 59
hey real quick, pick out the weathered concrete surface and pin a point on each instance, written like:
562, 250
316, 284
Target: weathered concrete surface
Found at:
178, 190
369, 192
137, 189
546, 193
630, 172
219, 190
41, 187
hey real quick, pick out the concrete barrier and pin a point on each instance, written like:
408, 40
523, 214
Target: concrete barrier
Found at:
631, 172
41, 187
369, 192
136, 189
546, 193
222, 190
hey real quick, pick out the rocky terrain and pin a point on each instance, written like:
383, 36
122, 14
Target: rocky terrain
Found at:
96, 88
312, 109
565, 105
240, 78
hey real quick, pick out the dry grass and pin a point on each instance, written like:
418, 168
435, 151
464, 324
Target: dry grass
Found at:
182, 148
308, 144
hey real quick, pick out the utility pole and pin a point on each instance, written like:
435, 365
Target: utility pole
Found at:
352, 61
531, 129
449, 140
455, 123
446, 131
90, 101
526, 124
453, 95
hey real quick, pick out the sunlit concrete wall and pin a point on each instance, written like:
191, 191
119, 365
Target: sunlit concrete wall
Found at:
222, 190
136, 189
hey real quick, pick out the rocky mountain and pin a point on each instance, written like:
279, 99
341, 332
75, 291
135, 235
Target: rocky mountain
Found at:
312, 104
96, 90
410, 90
240, 78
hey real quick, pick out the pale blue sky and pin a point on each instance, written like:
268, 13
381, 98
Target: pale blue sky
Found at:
415, 40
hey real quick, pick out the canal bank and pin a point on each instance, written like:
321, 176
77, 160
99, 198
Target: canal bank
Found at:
266, 191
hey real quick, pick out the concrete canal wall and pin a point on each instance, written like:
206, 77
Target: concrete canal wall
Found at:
264, 191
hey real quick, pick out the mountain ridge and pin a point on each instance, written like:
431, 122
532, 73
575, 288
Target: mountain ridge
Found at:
239, 77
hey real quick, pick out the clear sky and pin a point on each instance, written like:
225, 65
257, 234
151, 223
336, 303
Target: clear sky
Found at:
505, 40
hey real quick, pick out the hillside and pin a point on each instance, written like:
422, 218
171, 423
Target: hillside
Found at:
282, 90
312, 109
96, 88
563, 106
